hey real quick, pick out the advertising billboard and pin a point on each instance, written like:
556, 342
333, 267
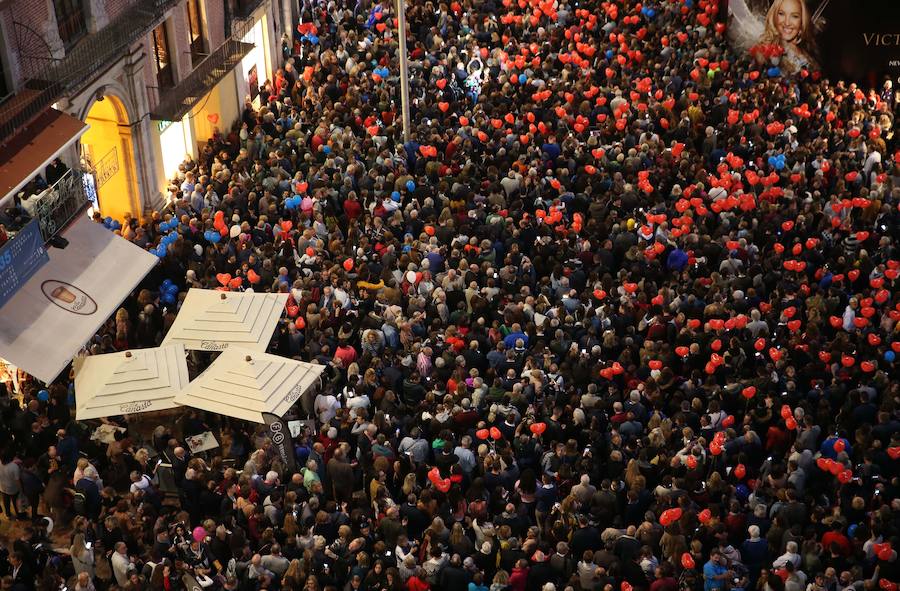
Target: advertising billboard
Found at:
850, 41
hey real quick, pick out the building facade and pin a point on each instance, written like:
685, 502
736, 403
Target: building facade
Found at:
152, 79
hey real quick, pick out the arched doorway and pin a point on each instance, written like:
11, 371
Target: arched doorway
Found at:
107, 148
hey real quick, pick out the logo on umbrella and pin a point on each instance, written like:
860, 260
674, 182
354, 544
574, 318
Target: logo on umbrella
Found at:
68, 297
294, 394
135, 406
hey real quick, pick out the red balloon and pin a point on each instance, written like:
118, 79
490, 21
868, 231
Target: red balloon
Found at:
538, 428
740, 471
749, 392
687, 561
443, 485
482, 433
670, 516
839, 445
348, 264
496, 434
705, 516
845, 476
300, 323
791, 423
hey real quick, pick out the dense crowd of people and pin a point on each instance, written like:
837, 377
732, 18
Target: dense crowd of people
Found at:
622, 315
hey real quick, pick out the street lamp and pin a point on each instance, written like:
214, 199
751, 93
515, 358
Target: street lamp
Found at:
404, 69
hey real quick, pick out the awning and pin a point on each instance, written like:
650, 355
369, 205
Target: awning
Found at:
31, 150
211, 320
64, 304
244, 384
128, 382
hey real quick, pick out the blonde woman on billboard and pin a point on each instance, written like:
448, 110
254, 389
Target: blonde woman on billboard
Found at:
789, 24
782, 34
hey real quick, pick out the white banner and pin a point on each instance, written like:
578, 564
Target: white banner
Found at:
64, 304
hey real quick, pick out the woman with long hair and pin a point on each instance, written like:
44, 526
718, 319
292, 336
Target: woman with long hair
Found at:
293, 576
82, 555
789, 25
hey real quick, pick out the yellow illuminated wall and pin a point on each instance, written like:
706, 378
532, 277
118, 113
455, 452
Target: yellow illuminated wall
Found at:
218, 109
108, 142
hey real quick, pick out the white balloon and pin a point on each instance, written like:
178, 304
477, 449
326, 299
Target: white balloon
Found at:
411, 276
235, 231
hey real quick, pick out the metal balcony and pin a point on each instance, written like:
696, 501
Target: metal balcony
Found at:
47, 79
176, 102
61, 203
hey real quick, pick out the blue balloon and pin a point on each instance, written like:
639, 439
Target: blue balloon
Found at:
651, 13
396, 196
889, 356
160, 252
326, 149
43, 396
172, 289
771, 161
107, 220
410, 186
314, 39
851, 531
688, 3
742, 492
609, 53
289, 203
215, 237
166, 283
523, 78
774, 72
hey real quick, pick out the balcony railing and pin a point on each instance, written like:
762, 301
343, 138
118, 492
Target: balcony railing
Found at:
60, 203
47, 78
175, 103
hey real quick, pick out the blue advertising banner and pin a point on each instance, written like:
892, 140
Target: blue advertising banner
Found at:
20, 258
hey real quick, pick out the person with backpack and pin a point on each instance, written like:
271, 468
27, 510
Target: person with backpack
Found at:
86, 499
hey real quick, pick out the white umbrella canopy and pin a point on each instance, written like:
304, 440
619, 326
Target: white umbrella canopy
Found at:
244, 384
141, 380
211, 320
